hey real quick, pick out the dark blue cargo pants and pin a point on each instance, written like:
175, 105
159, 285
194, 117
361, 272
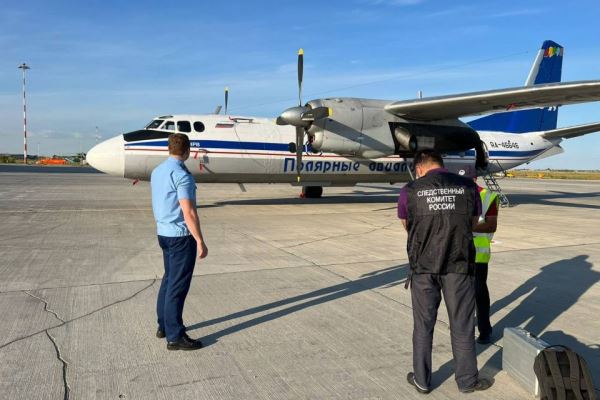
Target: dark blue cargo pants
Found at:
459, 295
179, 255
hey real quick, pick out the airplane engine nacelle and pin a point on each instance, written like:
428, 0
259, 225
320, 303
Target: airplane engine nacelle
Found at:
446, 137
362, 128
341, 132
451, 136
356, 128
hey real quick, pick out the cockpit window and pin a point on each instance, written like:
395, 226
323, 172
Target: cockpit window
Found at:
145, 134
198, 126
169, 125
184, 126
155, 124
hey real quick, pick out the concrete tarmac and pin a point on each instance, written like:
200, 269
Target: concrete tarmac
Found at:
298, 299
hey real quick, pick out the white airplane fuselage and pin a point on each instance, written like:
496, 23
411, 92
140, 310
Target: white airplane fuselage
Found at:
233, 150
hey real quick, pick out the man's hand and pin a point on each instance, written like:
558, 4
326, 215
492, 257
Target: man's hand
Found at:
190, 215
488, 225
404, 224
202, 250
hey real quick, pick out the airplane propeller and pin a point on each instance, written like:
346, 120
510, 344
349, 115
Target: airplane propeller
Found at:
301, 116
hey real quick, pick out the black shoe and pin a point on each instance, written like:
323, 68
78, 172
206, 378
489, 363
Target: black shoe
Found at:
481, 384
160, 333
481, 339
411, 379
184, 343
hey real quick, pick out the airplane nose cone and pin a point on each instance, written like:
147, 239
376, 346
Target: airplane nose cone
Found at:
108, 156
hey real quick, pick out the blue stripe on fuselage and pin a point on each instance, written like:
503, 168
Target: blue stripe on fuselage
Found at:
222, 144
234, 145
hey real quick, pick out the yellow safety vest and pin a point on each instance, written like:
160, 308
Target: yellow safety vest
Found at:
483, 241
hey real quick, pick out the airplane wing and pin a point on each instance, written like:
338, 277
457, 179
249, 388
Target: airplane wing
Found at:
475, 103
572, 131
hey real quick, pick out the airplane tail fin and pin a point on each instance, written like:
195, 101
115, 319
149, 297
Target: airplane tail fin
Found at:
546, 68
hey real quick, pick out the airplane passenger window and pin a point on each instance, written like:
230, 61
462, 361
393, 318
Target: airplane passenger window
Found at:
198, 126
155, 124
169, 125
184, 126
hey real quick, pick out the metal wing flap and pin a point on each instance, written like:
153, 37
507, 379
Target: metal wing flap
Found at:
572, 131
476, 103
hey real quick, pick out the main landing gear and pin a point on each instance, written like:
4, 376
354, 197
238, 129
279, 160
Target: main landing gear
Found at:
311, 192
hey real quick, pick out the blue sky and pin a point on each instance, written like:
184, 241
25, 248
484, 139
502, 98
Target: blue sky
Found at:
116, 64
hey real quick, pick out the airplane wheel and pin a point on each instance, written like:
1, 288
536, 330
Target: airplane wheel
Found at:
312, 192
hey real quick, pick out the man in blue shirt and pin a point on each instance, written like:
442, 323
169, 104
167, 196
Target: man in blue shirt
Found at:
180, 238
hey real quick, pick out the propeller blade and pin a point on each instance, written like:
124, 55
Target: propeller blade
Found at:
317, 113
300, 74
217, 110
299, 148
226, 99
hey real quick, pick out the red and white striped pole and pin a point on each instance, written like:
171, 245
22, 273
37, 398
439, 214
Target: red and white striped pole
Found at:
24, 67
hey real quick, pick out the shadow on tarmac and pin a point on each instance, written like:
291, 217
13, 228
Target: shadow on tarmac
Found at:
552, 199
591, 353
378, 279
547, 295
383, 195
352, 196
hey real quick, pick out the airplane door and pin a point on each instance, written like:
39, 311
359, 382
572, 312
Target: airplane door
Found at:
253, 138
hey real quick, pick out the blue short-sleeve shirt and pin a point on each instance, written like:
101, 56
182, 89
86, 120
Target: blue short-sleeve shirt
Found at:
171, 181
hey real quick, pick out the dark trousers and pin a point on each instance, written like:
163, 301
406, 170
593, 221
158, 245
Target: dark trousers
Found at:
459, 295
179, 255
482, 300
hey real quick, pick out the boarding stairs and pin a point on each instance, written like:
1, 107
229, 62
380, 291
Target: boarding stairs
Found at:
492, 184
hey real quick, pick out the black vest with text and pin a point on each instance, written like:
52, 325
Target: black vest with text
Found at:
441, 206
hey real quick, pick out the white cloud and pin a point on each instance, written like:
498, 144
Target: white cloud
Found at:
516, 13
444, 12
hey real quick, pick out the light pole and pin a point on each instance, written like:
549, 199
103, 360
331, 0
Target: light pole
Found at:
24, 67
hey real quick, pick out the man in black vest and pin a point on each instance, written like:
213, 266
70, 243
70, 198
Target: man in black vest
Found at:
439, 210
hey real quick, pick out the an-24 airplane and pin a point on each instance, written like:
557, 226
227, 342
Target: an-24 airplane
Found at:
352, 140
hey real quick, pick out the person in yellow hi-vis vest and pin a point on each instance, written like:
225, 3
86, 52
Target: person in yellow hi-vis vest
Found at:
482, 236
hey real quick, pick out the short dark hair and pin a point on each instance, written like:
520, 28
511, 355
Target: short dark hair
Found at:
428, 157
179, 144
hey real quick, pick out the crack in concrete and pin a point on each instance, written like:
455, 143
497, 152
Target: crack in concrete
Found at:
374, 290
278, 248
67, 388
206, 379
273, 269
547, 247
46, 306
447, 325
80, 317
378, 228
